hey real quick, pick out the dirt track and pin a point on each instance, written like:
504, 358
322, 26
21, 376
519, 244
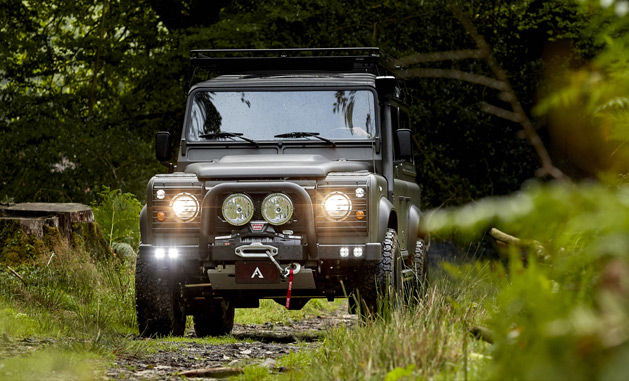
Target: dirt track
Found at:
257, 344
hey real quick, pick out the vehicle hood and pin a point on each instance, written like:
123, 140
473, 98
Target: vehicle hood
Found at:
272, 166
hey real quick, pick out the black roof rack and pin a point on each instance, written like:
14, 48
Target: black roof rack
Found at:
260, 61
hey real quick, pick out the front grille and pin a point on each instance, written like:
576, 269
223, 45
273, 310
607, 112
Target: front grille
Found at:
349, 226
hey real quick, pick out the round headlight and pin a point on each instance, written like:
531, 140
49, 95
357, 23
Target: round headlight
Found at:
185, 206
277, 208
238, 209
337, 205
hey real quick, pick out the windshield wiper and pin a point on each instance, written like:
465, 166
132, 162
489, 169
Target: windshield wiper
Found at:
222, 135
303, 134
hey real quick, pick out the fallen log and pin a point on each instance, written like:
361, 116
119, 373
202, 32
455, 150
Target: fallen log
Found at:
503, 239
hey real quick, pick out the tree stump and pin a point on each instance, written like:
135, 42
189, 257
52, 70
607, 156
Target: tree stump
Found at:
34, 215
30, 229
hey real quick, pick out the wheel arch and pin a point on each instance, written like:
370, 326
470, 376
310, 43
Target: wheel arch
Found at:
144, 226
387, 218
415, 230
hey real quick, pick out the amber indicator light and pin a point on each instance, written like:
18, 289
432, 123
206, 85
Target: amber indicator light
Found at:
161, 216
360, 214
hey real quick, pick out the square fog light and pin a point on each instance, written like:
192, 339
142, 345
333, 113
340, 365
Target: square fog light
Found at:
160, 253
173, 253
358, 252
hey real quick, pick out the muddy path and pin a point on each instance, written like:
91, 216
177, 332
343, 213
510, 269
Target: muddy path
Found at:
258, 344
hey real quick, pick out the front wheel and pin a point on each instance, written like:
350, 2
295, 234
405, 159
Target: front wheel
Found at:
158, 307
380, 280
218, 320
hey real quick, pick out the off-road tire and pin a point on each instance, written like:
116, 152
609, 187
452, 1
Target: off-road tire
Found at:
217, 321
380, 279
420, 268
158, 306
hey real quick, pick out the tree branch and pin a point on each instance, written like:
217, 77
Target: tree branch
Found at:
442, 56
500, 112
17, 275
548, 167
453, 74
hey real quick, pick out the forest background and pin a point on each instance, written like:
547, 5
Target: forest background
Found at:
85, 85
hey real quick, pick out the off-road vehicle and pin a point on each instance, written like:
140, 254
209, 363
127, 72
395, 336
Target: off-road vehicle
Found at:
294, 180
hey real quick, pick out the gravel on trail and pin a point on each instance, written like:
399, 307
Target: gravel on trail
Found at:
259, 344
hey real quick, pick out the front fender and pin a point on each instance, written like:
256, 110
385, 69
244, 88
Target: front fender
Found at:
144, 226
414, 227
386, 217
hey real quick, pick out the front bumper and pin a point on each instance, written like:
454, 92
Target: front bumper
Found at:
289, 253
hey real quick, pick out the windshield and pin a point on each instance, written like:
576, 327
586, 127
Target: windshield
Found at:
260, 115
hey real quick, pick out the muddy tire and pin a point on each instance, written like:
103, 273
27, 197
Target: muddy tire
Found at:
217, 321
379, 280
158, 307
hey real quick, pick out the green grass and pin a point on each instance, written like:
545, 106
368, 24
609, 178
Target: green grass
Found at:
80, 307
61, 364
273, 312
429, 340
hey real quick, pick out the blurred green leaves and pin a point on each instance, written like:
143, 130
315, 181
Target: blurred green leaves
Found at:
568, 317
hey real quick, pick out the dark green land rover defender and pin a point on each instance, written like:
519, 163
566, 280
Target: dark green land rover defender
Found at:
294, 180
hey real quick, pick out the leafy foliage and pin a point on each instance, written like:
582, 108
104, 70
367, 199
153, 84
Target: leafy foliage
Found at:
586, 105
117, 214
560, 318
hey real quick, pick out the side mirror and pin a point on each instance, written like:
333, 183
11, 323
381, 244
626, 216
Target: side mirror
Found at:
404, 144
163, 142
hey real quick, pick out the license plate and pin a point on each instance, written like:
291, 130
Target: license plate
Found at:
256, 273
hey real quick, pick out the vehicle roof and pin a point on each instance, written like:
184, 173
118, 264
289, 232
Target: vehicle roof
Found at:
332, 79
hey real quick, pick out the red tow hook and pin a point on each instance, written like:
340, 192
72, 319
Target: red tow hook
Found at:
290, 288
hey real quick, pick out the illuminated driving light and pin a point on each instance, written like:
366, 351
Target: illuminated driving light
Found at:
160, 253
160, 194
344, 252
238, 209
185, 206
358, 252
360, 192
277, 208
337, 205
173, 253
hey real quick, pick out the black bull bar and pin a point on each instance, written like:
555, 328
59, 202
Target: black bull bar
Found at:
210, 208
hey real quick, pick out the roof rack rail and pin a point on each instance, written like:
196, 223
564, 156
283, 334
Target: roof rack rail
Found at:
260, 61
